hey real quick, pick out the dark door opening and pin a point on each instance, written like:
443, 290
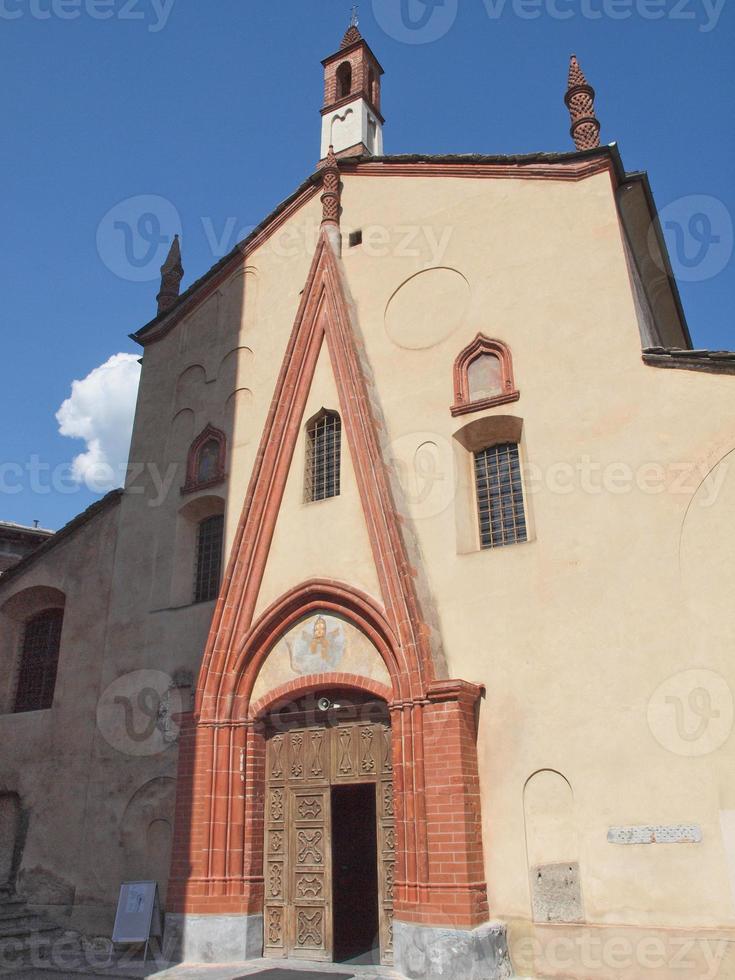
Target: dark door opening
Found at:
355, 874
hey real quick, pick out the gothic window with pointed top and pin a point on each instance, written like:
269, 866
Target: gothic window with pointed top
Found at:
323, 456
483, 376
208, 572
39, 661
344, 80
206, 464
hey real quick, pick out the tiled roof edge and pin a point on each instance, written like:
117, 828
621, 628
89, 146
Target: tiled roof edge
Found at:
710, 361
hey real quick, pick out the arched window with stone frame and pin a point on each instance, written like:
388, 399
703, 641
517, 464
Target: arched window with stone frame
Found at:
206, 462
483, 376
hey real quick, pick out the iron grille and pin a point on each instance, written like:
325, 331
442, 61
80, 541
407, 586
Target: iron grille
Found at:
209, 558
500, 496
39, 661
323, 457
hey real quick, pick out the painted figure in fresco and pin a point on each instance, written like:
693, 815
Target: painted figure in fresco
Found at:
317, 649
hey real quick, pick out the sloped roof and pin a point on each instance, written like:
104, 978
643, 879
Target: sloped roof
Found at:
81, 520
710, 361
41, 532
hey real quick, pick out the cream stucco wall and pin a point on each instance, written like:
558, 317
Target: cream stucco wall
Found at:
572, 633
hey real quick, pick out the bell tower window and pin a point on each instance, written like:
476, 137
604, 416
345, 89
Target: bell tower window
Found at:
344, 80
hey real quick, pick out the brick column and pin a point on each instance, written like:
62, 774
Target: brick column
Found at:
457, 891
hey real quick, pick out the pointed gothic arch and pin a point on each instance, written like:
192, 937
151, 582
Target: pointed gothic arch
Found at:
310, 597
205, 466
217, 866
467, 397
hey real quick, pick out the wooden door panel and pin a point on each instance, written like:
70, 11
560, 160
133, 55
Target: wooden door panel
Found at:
275, 858
317, 755
386, 867
302, 765
344, 753
311, 876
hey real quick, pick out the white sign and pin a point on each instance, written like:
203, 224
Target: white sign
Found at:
679, 834
138, 913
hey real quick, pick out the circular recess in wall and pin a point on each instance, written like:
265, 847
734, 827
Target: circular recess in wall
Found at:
427, 309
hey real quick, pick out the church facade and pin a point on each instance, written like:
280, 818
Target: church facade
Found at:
409, 637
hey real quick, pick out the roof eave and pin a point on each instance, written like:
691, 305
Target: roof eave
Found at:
161, 324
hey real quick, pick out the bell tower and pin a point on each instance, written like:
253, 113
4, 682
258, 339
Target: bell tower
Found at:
351, 118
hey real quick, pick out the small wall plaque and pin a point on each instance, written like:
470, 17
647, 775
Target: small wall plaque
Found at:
678, 834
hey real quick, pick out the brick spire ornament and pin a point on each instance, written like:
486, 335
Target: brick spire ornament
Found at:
580, 100
172, 272
353, 34
331, 199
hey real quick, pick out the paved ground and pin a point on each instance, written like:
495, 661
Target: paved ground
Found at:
229, 972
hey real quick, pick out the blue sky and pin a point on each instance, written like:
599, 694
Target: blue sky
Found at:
215, 108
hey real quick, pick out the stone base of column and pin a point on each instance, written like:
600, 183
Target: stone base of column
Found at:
441, 953
212, 938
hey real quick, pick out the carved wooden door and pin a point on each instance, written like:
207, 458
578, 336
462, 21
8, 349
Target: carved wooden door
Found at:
302, 765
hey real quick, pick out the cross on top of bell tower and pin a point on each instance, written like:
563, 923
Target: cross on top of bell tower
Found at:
351, 119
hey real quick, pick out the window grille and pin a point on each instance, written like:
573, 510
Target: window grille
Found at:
500, 496
323, 457
209, 558
39, 661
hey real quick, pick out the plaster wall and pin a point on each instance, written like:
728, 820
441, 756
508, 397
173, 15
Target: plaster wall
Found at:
46, 755
625, 583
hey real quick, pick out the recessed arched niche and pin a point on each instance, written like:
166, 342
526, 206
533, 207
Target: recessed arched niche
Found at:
552, 846
320, 643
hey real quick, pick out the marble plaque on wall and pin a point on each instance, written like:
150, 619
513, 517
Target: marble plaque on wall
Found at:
676, 834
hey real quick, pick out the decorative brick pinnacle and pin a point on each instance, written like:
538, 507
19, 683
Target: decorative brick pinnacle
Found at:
580, 100
352, 36
172, 272
331, 193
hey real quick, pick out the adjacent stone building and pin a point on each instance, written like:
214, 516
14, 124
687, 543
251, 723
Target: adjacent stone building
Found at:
425, 548
17, 541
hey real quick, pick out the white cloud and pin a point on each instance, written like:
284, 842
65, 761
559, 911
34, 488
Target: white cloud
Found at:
100, 410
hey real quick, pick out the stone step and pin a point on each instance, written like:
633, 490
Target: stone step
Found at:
29, 927
12, 903
14, 914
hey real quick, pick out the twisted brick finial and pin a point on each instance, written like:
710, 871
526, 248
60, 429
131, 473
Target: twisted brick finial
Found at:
580, 100
331, 193
172, 272
351, 37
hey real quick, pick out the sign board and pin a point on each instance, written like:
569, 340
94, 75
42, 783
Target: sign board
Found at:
138, 916
678, 834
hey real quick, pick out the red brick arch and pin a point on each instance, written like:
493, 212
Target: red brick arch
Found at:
287, 693
228, 691
440, 874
